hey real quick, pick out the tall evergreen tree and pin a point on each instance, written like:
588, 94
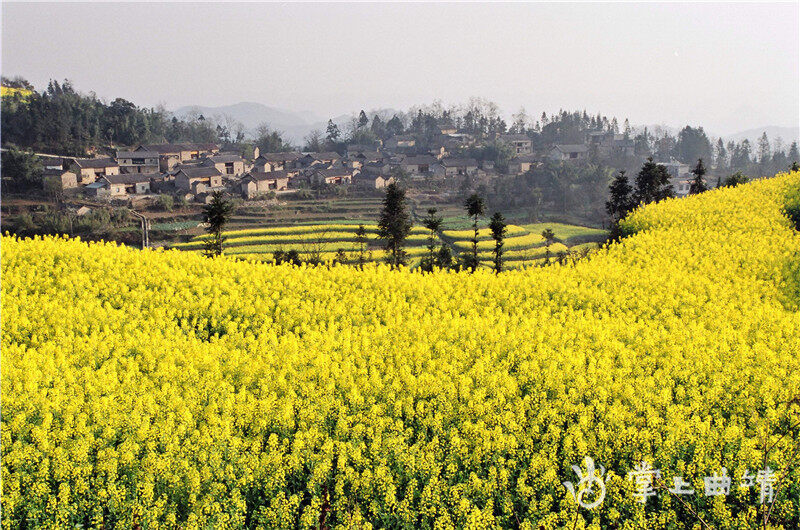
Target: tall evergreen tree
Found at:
395, 126
216, 215
361, 240
620, 200
332, 132
699, 182
794, 155
764, 153
721, 156
498, 227
433, 223
362, 119
475, 207
652, 183
394, 224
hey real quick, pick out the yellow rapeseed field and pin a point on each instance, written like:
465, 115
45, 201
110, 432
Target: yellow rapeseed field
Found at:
162, 389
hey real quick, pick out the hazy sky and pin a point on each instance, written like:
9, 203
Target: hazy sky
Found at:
725, 66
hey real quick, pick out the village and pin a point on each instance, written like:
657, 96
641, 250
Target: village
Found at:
193, 172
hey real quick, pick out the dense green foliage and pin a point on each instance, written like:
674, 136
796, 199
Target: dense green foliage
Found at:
62, 121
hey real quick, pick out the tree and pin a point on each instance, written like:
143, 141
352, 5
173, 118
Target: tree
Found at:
394, 224
549, 236
444, 258
269, 141
520, 121
698, 183
475, 207
433, 223
378, 128
764, 153
21, 170
652, 183
314, 142
216, 214
332, 132
721, 156
734, 180
692, 143
361, 239
395, 126
362, 119
620, 200
794, 155
166, 202
549, 239
498, 225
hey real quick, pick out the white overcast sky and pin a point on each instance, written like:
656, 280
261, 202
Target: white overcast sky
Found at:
727, 67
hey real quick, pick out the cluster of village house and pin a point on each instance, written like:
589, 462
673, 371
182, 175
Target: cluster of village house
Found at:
195, 171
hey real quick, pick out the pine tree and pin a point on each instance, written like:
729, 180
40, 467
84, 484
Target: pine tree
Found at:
652, 183
475, 207
721, 156
794, 155
394, 224
498, 227
216, 214
362, 119
433, 223
699, 183
764, 151
361, 240
332, 131
620, 200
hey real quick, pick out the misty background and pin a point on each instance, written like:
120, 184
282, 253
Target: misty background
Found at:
731, 68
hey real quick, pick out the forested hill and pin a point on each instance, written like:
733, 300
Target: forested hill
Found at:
62, 121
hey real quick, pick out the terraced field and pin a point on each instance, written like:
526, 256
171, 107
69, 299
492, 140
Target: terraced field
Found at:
320, 240
524, 245
318, 211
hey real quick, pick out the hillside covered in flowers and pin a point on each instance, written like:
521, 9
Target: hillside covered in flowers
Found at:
148, 389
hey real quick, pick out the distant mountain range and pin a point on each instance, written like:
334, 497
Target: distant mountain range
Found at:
294, 126
787, 134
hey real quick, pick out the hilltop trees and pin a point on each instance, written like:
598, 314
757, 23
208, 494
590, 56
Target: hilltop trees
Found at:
394, 224
62, 121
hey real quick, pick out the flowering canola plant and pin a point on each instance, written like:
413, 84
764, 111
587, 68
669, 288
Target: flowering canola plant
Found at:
163, 389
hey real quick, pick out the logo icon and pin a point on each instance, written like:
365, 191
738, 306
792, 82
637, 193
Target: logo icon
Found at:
591, 490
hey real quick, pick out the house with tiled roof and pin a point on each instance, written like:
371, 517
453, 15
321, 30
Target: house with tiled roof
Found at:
138, 161
569, 152
257, 183
89, 169
198, 179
